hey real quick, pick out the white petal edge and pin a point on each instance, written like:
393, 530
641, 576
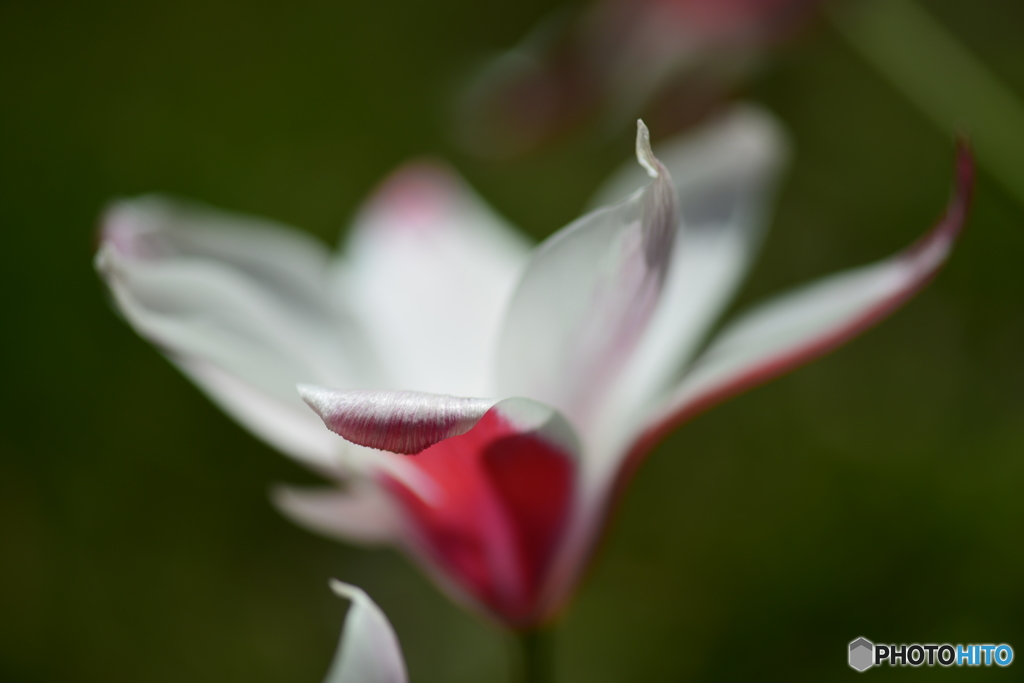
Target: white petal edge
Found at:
368, 651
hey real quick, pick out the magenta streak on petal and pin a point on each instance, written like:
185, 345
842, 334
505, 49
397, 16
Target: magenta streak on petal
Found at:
505, 499
941, 236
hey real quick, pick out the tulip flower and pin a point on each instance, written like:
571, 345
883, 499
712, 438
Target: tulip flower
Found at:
485, 404
606, 63
368, 651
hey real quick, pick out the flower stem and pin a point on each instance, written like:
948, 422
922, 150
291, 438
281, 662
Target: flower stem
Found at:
537, 656
935, 71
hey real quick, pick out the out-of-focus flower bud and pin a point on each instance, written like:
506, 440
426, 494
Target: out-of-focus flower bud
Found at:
671, 59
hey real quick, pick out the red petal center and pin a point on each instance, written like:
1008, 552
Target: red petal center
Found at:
505, 498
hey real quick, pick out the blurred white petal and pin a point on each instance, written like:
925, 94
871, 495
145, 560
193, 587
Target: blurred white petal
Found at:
429, 271
368, 651
240, 304
362, 512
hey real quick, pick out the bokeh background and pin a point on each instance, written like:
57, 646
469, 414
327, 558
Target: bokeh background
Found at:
877, 492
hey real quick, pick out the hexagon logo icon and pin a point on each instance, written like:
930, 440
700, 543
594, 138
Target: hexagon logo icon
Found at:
862, 653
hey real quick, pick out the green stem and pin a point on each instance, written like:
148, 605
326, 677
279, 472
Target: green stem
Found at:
943, 78
537, 656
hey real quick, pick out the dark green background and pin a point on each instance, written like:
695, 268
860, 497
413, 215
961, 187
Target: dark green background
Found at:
877, 492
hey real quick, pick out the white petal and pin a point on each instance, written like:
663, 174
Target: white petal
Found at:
368, 651
586, 297
724, 176
395, 421
361, 513
430, 270
796, 327
241, 304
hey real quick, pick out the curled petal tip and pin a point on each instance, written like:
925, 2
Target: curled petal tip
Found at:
644, 154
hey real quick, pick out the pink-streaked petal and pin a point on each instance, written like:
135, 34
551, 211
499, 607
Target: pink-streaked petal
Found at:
368, 651
242, 305
360, 513
724, 175
507, 488
396, 421
799, 326
586, 298
773, 338
429, 269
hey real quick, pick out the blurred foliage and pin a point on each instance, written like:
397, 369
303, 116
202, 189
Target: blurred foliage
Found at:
874, 493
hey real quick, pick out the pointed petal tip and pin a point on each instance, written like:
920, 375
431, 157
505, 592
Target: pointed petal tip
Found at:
368, 649
644, 153
317, 398
343, 590
310, 393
